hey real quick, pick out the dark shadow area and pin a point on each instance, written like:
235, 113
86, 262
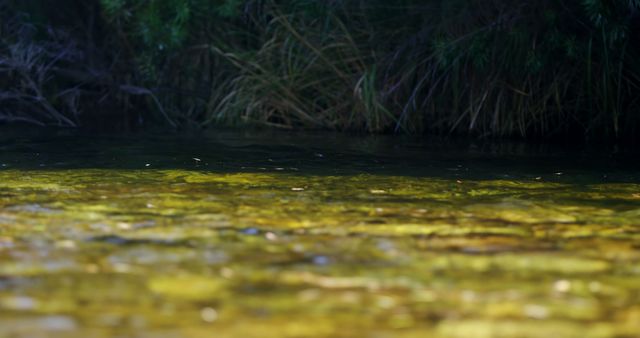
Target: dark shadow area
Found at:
323, 154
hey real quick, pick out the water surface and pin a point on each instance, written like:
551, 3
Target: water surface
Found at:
314, 235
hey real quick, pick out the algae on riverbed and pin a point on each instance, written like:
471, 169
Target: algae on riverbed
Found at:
287, 252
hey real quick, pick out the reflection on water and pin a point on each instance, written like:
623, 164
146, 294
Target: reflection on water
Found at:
314, 236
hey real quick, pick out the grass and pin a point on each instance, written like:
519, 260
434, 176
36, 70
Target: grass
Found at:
304, 75
481, 68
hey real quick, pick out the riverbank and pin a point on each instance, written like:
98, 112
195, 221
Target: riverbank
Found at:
535, 71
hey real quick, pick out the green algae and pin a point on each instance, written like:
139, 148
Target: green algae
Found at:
187, 252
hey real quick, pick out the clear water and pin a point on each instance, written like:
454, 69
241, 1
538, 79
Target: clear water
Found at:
314, 235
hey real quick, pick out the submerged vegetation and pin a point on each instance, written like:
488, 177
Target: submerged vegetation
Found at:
484, 68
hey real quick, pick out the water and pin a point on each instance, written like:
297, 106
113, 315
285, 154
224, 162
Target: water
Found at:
314, 235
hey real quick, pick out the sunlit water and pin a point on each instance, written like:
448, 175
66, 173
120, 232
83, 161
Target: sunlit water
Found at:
281, 235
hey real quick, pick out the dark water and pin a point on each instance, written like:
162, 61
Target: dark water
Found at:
315, 235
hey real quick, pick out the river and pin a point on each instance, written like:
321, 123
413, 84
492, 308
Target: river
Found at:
267, 234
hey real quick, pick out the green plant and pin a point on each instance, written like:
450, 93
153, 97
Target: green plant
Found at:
475, 67
306, 72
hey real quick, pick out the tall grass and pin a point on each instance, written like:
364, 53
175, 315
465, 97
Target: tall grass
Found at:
501, 68
306, 72
495, 68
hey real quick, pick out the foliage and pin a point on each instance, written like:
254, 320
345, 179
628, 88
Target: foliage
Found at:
500, 68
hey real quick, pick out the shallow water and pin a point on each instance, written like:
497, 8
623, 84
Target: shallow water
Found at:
314, 235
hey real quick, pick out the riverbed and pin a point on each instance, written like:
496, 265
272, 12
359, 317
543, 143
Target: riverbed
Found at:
315, 235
